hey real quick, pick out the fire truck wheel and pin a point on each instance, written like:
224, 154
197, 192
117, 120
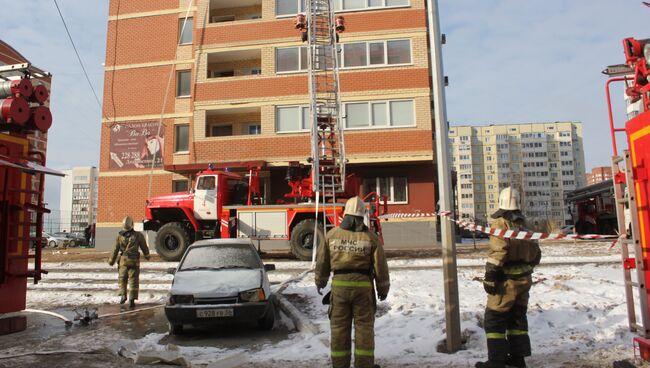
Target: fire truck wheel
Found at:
302, 239
171, 241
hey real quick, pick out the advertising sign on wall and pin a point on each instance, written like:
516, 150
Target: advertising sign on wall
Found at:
136, 145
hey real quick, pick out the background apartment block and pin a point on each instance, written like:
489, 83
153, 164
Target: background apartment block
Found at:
599, 174
542, 160
78, 204
239, 97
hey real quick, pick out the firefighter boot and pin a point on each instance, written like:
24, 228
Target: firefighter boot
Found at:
516, 361
132, 303
123, 299
490, 364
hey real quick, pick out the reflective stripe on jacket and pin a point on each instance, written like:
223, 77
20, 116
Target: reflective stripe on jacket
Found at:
512, 252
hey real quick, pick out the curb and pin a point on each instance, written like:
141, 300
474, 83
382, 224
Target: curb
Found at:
302, 323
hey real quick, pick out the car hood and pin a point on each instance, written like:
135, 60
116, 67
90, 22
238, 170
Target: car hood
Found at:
216, 283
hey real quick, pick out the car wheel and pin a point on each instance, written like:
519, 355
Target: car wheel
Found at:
172, 240
52, 244
268, 321
175, 329
302, 239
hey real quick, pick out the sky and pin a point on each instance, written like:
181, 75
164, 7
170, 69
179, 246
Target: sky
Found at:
508, 61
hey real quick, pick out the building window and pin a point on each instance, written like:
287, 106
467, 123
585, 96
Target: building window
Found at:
394, 188
180, 186
183, 79
376, 53
253, 129
289, 7
291, 118
379, 114
290, 59
185, 33
181, 138
220, 130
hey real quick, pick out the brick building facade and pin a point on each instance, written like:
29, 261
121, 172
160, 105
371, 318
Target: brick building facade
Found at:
238, 94
598, 174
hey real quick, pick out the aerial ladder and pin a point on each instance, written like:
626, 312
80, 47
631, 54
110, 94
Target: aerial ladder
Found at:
320, 29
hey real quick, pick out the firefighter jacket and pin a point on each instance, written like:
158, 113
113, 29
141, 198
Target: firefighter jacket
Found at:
128, 246
352, 257
516, 257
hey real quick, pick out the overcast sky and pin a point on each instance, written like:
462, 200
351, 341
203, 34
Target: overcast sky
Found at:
508, 61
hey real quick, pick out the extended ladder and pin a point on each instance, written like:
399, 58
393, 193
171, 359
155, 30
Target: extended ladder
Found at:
327, 145
625, 195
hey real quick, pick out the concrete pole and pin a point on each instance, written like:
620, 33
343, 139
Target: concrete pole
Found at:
452, 310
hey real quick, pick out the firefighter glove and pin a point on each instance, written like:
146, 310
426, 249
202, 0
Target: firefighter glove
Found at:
493, 274
111, 263
382, 297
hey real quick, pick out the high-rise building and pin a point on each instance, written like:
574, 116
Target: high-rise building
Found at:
599, 174
542, 160
238, 96
78, 203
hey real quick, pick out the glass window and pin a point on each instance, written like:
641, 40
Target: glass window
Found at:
379, 116
356, 115
291, 118
288, 7
254, 129
376, 50
401, 113
185, 33
354, 4
354, 54
397, 2
221, 131
183, 83
206, 183
287, 59
394, 188
306, 123
182, 138
375, 3
399, 52
179, 186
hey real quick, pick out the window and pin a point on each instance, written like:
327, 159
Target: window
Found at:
179, 186
253, 129
181, 138
222, 73
362, 4
291, 118
220, 130
185, 33
376, 53
183, 79
395, 188
290, 59
289, 7
379, 113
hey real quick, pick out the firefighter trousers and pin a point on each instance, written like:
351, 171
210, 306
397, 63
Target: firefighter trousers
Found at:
129, 273
506, 324
352, 301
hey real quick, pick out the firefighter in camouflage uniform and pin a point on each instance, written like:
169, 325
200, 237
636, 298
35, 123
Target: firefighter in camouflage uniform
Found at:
507, 281
355, 256
127, 253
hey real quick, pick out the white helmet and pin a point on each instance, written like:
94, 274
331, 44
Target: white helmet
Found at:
509, 199
127, 223
355, 207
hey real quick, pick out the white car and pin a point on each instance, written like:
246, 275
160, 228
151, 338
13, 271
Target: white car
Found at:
220, 280
54, 241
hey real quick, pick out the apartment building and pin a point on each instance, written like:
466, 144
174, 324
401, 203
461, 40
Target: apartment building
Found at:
239, 97
599, 174
78, 203
543, 160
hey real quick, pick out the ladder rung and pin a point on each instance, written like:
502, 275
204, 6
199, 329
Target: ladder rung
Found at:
632, 283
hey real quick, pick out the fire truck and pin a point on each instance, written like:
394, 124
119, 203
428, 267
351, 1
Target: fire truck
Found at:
632, 188
228, 205
24, 115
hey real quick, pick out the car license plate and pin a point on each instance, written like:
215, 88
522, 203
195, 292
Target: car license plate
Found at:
214, 313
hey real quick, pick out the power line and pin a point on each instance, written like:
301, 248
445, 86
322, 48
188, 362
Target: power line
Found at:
78, 57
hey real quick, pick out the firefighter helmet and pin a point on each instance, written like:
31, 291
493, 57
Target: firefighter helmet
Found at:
355, 207
127, 223
509, 199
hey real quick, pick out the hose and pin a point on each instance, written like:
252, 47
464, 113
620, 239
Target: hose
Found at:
54, 352
57, 315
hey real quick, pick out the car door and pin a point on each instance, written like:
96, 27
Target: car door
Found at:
205, 198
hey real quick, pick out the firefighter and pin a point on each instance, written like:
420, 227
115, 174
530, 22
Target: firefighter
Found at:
128, 245
356, 257
507, 281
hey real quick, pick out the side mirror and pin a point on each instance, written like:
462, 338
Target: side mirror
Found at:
171, 270
269, 267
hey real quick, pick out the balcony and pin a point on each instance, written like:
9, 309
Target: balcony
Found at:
235, 63
224, 11
233, 122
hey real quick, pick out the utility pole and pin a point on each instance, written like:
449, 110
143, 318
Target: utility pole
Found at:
452, 309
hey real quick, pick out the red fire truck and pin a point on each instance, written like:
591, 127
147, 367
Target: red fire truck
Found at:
224, 204
23, 112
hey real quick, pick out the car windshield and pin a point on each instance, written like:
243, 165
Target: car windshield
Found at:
220, 257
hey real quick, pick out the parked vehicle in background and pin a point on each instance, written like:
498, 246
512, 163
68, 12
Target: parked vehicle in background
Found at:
80, 239
567, 230
220, 280
55, 241
32, 243
74, 240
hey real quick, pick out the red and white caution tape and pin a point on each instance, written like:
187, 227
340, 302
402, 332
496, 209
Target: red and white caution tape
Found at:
500, 233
